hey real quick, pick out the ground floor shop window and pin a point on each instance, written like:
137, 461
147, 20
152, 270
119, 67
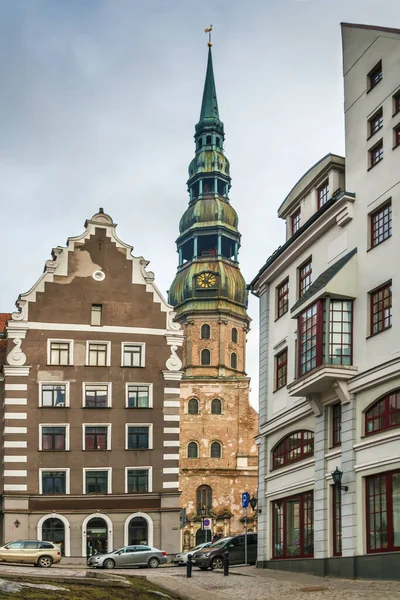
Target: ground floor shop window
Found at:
137, 532
383, 512
53, 531
293, 526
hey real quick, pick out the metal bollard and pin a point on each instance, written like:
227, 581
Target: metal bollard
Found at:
226, 563
189, 565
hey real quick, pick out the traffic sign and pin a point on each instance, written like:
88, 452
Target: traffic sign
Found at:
207, 523
245, 499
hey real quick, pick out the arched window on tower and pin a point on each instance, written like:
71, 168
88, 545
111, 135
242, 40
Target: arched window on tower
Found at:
203, 499
218, 142
208, 140
193, 450
234, 360
205, 357
216, 450
234, 335
205, 331
199, 143
216, 407
193, 406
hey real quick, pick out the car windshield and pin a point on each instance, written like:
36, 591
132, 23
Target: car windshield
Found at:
199, 547
220, 542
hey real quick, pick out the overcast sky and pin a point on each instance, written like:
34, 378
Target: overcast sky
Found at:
98, 102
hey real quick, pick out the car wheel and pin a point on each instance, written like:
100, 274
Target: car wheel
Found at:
45, 562
217, 563
108, 564
153, 563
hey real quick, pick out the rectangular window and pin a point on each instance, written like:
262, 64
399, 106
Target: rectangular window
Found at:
375, 76
381, 224
296, 221
376, 154
137, 438
96, 482
293, 527
336, 424
60, 353
133, 355
53, 396
98, 354
396, 136
282, 298
96, 315
96, 438
381, 308
54, 482
337, 520
281, 369
314, 328
53, 438
375, 123
383, 512
137, 481
305, 272
96, 395
323, 193
396, 103
138, 396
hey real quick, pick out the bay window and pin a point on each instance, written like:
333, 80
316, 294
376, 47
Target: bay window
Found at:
325, 335
293, 527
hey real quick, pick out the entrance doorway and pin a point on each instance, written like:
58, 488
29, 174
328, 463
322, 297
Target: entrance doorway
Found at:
203, 535
53, 531
96, 537
137, 532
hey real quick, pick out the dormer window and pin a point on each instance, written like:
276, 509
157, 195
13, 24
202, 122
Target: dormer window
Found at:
323, 194
296, 220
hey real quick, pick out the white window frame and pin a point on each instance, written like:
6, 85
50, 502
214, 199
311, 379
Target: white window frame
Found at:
108, 425
109, 397
142, 354
144, 468
149, 385
60, 341
66, 425
107, 343
67, 478
109, 479
67, 391
149, 425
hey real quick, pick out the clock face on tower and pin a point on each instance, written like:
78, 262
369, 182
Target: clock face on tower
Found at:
206, 280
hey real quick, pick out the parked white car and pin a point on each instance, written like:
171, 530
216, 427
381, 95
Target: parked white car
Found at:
181, 558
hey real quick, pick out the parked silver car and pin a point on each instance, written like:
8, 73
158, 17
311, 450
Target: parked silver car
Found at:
129, 556
181, 557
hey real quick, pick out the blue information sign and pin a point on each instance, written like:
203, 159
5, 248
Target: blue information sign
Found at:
245, 499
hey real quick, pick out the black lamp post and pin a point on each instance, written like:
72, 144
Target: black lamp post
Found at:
203, 512
337, 480
253, 503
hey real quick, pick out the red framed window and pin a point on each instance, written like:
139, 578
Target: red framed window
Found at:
340, 332
323, 193
281, 369
383, 512
305, 272
337, 520
336, 424
293, 526
310, 338
381, 308
375, 123
396, 104
396, 136
375, 76
296, 221
376, 154
282, 298
381, 224
383, 414
292, 448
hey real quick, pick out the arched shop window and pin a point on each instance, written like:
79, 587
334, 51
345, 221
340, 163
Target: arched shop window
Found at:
383, 414
293, 447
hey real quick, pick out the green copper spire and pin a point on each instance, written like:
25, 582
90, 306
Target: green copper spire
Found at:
209, 105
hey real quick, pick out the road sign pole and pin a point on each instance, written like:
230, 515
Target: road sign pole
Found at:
245, 535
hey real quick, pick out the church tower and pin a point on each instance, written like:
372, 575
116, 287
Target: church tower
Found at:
218, 455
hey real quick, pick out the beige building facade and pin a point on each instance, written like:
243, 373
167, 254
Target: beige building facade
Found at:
329, 484
90, 403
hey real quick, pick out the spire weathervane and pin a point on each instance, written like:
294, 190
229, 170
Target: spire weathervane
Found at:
209, 30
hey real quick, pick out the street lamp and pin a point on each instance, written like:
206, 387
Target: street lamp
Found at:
203, 512
337, 480
253, 503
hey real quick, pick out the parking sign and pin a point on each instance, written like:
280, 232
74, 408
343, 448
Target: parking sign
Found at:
245, 499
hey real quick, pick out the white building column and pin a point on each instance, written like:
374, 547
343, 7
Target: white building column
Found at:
320, 488
349, 504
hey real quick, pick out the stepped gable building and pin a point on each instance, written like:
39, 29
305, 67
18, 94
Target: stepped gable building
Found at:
218, 454
329, 344
90, 396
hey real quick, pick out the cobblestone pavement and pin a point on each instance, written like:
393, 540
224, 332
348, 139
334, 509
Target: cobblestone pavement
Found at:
243, 583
